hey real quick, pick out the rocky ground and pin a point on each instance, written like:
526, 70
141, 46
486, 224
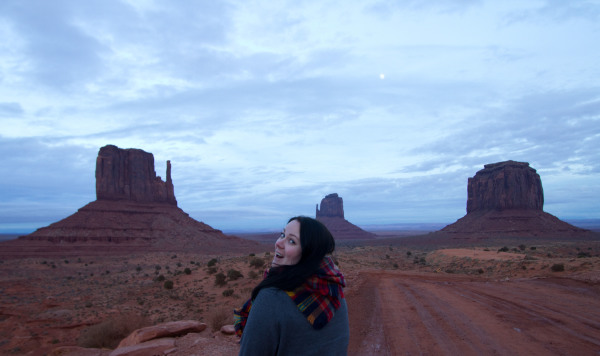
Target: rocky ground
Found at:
496, 298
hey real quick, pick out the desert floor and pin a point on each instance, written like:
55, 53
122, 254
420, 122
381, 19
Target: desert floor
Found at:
532, 299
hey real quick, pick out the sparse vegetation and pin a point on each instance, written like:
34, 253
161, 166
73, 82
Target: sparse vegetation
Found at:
219, 317
168, 284
187, 271
503, 249
220, 279
212, 262
257, 262
110, 332
234, 274
557, 267
228, 292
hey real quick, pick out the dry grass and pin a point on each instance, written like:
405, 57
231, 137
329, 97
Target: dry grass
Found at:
219, 317
111, 331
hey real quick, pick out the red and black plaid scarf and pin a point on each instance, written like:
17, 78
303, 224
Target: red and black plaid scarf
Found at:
317, 299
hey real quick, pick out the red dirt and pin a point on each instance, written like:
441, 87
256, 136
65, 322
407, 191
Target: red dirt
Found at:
409, 313
480, 301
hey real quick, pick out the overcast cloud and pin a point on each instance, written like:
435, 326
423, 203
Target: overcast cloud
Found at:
265, 107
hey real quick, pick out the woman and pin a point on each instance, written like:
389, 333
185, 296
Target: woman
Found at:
299, 308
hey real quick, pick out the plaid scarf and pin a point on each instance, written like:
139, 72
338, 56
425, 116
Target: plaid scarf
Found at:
317, 299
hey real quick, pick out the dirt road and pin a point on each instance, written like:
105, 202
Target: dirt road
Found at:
404, 313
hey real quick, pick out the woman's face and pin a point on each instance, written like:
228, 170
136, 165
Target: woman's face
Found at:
287, 247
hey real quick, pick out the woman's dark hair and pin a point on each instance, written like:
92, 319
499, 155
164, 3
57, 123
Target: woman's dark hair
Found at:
316, 242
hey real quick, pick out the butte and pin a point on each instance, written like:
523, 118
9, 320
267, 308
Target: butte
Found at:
134, 211
331, 215
506, 199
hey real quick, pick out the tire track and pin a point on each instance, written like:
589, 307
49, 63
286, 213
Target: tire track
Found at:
424, 314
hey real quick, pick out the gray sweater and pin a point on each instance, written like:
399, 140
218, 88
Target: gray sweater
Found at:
275, 326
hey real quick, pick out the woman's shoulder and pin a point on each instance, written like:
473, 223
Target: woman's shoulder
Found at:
271, 293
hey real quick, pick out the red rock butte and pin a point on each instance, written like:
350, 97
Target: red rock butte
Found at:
134, 211
506, 199
331, 214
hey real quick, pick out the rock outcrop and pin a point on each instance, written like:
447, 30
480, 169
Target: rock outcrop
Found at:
332, 206
505, 185
128, 174
134, 211
506, 199
185, 337
331, 214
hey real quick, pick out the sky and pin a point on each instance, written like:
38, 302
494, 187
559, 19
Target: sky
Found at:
265, 107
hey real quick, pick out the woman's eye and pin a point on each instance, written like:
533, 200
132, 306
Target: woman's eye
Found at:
282, 235
292, 241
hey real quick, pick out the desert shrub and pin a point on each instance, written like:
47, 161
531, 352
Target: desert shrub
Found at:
480, 271
234, 274
252, 255
160, 278
257, 262
557, 267
211, 270
212, 262
408, 253
533, 248
111, 331
187, 271
583, 254
252, 275
522, 247
168, 285
219, 317
138, 268
228, 292
157, 267
503, 249
220, 279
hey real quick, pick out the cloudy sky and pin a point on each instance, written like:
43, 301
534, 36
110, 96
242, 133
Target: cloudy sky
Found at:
265, 107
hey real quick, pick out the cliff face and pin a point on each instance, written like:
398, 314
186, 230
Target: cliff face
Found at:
505, 185
128, 174
332, 206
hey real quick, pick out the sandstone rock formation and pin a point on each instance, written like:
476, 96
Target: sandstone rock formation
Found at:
134, 211
505, 185
128, 174
331, 214
332, 206
169, 329
185, 337
506, 199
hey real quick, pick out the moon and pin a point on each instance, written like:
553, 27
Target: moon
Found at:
381, 76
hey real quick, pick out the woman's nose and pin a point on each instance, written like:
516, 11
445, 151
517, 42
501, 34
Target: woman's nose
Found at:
279, 243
